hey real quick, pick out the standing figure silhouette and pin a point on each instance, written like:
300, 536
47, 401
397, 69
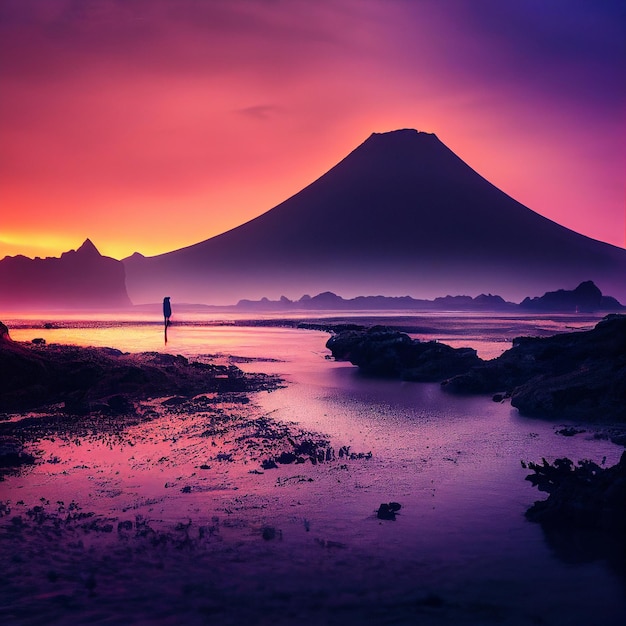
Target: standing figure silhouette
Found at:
167, 313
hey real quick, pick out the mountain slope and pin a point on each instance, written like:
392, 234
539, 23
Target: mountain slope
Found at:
401, 214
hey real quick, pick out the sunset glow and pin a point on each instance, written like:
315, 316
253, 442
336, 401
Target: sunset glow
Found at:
152, 125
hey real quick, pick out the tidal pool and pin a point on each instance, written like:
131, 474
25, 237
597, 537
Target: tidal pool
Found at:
229, 541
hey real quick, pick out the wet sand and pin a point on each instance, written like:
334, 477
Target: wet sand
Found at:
174, 515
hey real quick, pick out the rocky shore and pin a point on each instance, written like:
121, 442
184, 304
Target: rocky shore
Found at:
106, 380
584, 517
577, 375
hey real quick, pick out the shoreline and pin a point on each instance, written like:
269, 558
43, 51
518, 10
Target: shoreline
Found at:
168, 515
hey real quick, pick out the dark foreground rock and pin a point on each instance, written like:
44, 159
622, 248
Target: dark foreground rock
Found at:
584, 516
578, 375
84, 379
582, 496
381, 351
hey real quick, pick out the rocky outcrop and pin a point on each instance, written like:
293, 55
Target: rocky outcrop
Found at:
80, 278
105, 379
585, 298
381, 351
582, 496
579, 375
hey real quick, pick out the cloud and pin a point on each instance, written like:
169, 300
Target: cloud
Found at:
259, 112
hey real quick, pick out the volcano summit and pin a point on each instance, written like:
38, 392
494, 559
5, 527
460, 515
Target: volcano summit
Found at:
401, 214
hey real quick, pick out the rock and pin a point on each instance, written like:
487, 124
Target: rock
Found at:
585, 298
121, 405
381, 351
582, 496
268, 533
388, 511
76, 404
36, 375
285, 458
578, 375
4, 333
12, 453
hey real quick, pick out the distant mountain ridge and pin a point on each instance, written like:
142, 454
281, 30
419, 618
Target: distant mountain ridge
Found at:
400, 214
331, 301
78, 279
586, 298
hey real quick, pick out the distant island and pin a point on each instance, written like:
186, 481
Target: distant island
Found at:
586, 298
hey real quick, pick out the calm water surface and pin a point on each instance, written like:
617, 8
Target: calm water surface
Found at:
452, 462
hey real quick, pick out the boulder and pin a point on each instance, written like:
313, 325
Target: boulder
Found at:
578, 375
381, 351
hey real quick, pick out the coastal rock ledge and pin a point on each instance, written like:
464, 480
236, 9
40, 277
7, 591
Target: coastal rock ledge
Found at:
576, 375
381, 351
105, 379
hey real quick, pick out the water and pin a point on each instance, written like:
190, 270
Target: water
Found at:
460, 550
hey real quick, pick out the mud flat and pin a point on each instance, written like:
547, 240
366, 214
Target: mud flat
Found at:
221, 505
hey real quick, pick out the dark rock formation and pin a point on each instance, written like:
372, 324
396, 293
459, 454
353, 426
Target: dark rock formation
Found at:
12, 453
80, 278
584, 516
585, 298
583, 496
388, 511
35, 375
576, 375
381, 351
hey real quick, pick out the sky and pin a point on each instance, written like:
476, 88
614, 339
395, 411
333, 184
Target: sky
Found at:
150, 125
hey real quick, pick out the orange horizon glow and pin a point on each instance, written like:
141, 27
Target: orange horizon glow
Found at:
151, 127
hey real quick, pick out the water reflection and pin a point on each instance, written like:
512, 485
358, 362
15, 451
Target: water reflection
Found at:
452, 462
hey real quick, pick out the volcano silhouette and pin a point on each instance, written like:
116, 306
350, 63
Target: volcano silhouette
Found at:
401, 214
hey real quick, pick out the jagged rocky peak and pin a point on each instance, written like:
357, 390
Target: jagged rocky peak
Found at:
86, 251
88, 248
134, 256
81, 278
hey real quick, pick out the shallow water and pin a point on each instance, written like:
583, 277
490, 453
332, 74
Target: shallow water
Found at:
460, 551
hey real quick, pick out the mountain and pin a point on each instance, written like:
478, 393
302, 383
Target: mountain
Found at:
329, 301
401, 214
80, 278
585, 298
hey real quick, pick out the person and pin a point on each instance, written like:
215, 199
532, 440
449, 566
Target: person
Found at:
167, 311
